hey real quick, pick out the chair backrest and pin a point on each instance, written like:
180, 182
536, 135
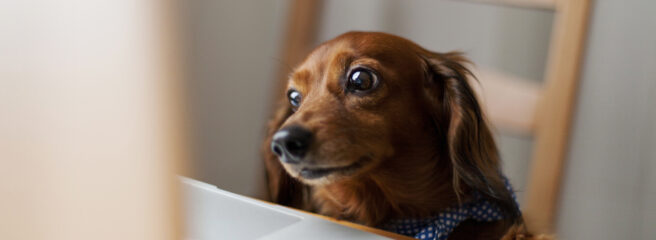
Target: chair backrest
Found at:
542, 110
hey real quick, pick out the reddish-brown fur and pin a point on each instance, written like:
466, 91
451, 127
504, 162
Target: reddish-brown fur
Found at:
420, 137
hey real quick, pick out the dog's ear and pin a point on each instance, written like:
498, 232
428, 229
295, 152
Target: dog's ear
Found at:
283, 189
460, 122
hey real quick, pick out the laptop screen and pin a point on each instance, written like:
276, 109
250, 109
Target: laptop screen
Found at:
212, 213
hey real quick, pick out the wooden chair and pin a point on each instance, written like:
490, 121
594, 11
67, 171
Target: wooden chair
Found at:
542, 110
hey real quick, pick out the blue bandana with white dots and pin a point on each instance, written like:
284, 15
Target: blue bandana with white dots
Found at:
439, 226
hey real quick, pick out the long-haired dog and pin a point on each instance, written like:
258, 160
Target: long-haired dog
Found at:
380, 131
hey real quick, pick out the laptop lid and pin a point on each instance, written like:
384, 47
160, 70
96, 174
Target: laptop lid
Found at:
212, 213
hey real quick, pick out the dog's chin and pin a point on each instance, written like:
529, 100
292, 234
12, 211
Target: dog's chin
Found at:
315, 175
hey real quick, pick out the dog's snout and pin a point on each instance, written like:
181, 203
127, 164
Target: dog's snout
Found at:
291, 143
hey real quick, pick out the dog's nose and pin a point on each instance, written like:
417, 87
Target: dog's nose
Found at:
291, 143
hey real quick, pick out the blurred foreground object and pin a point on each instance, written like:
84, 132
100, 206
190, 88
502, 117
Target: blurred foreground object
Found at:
90, 133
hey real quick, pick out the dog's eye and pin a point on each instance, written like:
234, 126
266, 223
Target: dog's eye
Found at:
294, 98
361, 80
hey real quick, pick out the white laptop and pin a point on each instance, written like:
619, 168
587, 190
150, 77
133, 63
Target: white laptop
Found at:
212, 213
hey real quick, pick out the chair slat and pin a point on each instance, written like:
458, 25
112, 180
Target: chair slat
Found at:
509, 101
555, 113
539, 4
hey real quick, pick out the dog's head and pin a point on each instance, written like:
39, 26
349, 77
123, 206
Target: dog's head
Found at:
362, 99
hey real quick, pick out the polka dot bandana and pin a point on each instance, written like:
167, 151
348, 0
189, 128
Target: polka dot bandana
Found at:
439, 226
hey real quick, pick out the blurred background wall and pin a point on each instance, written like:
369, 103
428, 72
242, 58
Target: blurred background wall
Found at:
232, 51
610, 174
609, 187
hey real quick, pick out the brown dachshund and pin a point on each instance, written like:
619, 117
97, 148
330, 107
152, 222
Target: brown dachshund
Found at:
374, 129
